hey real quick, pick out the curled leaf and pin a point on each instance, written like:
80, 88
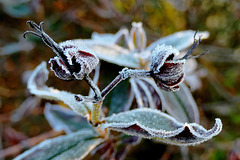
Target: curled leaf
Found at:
36, 85
153, 124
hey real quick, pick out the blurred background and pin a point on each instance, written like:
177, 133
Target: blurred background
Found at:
219, 95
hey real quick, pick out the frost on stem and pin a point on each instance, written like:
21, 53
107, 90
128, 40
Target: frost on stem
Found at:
123, 75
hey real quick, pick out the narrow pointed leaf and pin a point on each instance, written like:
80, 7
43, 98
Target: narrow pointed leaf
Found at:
153, 124
180, 40
36, 85
72, 146
65, 119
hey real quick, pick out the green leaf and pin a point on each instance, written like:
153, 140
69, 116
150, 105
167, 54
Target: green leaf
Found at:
154, 124
36, 85
117, 98
72, 146
181, 105
61, 118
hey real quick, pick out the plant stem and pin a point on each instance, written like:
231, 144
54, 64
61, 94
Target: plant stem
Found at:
94, 87
95, 116
195, 44
112, 85
99, 96
124, 74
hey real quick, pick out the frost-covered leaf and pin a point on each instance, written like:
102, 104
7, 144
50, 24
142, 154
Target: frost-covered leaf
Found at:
61, 118
36, 85
179, 40
181, 105
106, 48
117, 55
153, 124
72, 146
111, 53
108, 38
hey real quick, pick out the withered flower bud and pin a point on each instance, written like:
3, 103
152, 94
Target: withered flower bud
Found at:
166, 72
138, 36
82, 61
72, 61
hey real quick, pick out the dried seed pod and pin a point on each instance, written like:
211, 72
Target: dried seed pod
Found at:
72, 61
166, 72
82, 61
138, 36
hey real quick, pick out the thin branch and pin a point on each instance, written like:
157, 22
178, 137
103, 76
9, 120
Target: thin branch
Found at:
195, 44
112, 85
39, 32
194, 57
94, 87
124, 74
95, 77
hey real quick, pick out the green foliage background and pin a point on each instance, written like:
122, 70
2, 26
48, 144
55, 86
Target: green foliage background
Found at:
219, 96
